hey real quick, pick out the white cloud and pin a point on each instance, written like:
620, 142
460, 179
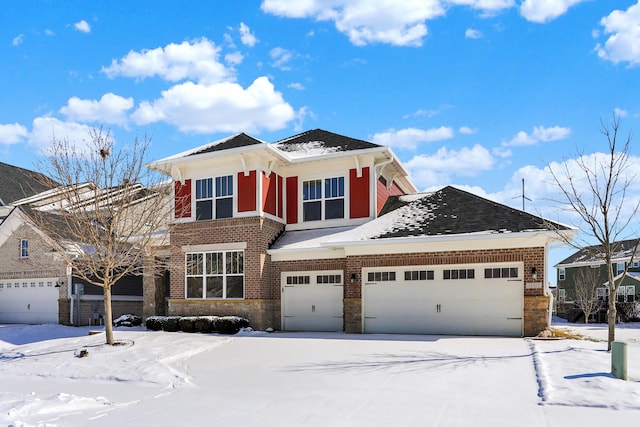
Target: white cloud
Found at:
110, 109
48, 32
46, 128
220, 107
542, 11
539, 134
281, 58
82, 26
623, 30
12, 133
198, 60
17, 41
472, 33
486, 6
234, 58
409, 138
296, 86
620, 112
466, 130
395, 22
438, 169
246, 36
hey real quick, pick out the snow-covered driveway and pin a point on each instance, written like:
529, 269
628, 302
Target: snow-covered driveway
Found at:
307, 379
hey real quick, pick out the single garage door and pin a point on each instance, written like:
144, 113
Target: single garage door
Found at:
312, 301
485, 299
29, 301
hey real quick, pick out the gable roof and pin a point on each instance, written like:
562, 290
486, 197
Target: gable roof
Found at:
318, 141
236, 141
593, 254
17, 183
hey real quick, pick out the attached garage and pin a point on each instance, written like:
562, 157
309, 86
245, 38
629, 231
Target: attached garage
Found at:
312, 301
480, 299
29, 301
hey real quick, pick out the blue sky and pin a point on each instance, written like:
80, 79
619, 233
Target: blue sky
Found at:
475, 93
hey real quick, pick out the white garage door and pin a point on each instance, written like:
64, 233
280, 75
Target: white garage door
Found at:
312, 301
458, 300
29, 301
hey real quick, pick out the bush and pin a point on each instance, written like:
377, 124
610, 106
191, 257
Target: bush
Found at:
628, 311
171, 324
230, 325
204, 324
154, 323
188, 324
128, 320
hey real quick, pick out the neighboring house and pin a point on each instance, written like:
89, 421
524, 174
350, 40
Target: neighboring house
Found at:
17, 183
325, 232
587, 266
36, 286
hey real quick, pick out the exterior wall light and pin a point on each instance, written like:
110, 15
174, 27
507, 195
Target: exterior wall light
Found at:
534, 273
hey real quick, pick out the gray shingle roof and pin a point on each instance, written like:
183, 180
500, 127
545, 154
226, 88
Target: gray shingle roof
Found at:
17, 183
237, 141
454, 211
593, 254
324, 139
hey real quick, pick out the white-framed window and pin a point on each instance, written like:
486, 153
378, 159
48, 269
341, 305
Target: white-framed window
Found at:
323, 199
635, 264
562, 295
214, 275
299, 280
458, 274
602, 293
561, 274
619, 268
381, 276
214, 202
328, 278
414, 275
24, 248
500, 273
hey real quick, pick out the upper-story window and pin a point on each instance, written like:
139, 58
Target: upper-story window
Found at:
323, 201
561, 274
214, 202
24, 248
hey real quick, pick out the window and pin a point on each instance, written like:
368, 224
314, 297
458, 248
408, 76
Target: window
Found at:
602, 293
562, 294
382, 276
459, 274
561, 274
24, 248
328, 278
314, 197
501, 273
221, 198
619, 269
418, 275
636, 264
298, 280
215, 275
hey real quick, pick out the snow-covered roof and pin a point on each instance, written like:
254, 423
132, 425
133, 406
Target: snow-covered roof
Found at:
622, 251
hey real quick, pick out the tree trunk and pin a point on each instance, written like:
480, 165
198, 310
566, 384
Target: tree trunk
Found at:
108, 315
611, 316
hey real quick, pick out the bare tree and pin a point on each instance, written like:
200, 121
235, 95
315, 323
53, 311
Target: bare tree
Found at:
109, 213
595, 188
585, 285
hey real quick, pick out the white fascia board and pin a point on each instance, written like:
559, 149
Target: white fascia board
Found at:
305, 254
447, 243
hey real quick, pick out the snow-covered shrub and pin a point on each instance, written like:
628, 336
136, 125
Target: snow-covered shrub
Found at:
229, 324
204, 324
154, 323
628, 311
171, 324
188, 324
128, 320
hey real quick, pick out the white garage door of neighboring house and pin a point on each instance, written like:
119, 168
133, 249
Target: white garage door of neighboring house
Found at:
312, 301
28, 301
482, 299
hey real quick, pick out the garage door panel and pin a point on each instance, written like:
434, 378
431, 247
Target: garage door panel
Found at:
30, 304
313, 306
475, 306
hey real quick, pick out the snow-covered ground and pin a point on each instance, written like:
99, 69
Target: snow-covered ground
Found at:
312, 379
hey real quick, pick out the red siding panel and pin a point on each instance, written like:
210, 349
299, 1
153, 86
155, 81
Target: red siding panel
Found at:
292, 200
280, 185
182, 201
247, 192
359, 193
384, 193
269, 193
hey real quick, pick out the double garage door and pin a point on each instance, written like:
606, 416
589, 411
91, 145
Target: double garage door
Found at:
481, 299
29, 301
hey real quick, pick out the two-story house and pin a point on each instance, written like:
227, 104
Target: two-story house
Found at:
586, 268
324, 232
